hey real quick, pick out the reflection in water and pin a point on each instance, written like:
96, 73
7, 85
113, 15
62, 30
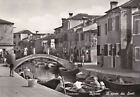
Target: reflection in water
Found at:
43, 74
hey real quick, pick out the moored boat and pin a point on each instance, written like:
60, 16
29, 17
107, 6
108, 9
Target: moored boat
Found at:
127, 86
51, 83
88, 91
69, 75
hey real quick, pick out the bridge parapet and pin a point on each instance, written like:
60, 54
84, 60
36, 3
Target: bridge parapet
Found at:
63, 62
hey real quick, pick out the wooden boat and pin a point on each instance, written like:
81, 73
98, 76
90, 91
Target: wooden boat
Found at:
116, 86
69, 75
86, 93
51, 83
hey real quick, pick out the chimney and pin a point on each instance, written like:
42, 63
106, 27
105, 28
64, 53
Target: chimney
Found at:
36, 32
113, 4
70, 14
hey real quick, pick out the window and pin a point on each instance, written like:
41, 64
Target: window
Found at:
117, 23
76, 37
110, 24
65, 37
137, 27
106, 50
99, 30
98, 50
110, 49
137, 53
118, 48
19, 35
106, 29
14, 36
82, 36
114, 50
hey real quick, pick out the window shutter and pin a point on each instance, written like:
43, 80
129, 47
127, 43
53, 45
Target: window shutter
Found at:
105, 50
117, 23
99, 30
110, 49
110, 24
98, 50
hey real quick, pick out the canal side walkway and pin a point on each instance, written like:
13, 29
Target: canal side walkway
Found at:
18, 87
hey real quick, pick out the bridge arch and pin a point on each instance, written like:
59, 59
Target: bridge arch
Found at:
63, 62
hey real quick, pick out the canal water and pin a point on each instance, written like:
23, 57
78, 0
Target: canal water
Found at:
45, 74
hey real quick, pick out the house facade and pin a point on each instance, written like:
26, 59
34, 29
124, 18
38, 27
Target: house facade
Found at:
136, 37
76, 30
6, 37
117, 44
21, 41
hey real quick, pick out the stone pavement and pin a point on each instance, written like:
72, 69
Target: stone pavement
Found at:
18, 87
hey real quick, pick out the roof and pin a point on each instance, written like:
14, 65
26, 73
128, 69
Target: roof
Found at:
130, 3
39, 34
82, 16
5, 22
58, 28
24, 32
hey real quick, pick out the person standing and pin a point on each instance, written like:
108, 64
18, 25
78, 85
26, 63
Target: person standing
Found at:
12, 70
10, 60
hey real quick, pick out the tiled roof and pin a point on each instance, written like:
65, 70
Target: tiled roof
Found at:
24, 32
5, 22
82, 16
130, 3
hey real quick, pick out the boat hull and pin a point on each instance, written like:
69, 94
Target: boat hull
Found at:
69, 75
116, 87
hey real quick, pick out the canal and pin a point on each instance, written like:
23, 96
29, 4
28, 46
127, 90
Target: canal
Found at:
41, 70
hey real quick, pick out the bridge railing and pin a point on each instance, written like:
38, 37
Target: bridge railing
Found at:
63, 62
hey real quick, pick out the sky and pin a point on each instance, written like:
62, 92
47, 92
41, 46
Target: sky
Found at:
45, 15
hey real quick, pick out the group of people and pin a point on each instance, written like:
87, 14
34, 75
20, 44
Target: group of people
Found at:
26, 73
89, 84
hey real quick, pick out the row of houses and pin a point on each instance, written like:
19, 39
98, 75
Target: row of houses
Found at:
78, 37
111, 40
27, 42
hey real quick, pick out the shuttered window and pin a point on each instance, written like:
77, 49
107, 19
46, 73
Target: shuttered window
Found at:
137, 53
114, 50
82, 36
99, 30
106, 29
65, 37
110, 49
117, 23
137, 27
106, 50
98, 50
110, 24
118, 48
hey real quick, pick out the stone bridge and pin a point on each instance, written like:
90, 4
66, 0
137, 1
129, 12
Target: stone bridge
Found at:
63, 62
